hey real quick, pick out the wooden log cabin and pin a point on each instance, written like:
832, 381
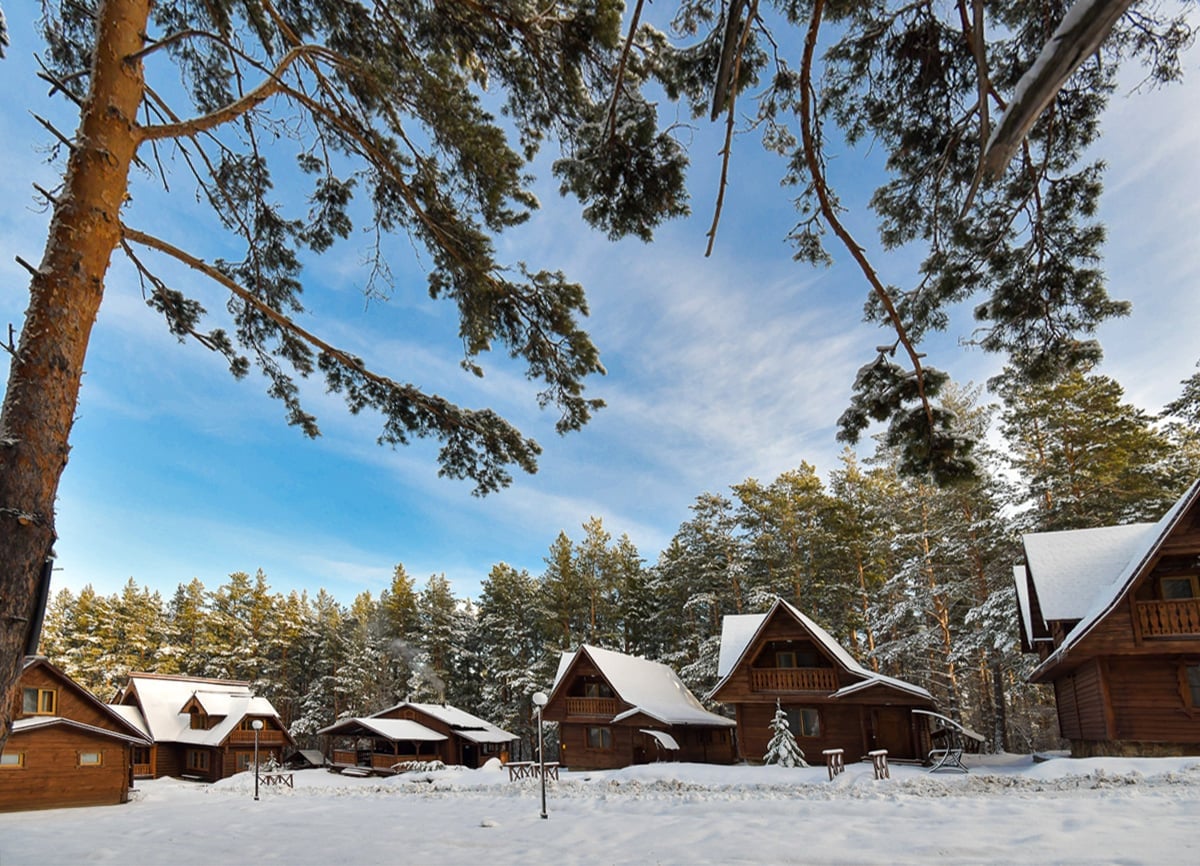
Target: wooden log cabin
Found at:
832, 701
1114, 615
200, 728
415, 732
67, 748
616, 710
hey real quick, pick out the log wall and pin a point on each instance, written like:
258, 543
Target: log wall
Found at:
52, 778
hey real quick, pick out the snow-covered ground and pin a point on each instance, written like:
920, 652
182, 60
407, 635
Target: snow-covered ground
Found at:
1008, 809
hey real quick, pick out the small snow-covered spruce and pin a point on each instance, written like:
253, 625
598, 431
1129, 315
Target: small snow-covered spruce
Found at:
783, 749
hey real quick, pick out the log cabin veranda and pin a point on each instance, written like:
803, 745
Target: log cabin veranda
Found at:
1114, 615
411, 732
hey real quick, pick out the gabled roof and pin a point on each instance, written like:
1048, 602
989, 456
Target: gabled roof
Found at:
740, 632
651, 688
389, 729
1071, 567
120, 720
464, 724
1109, 588
161, 699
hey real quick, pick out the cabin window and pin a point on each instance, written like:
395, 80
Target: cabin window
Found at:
39, 702
198, 721
785, 659
91, 759
244, 760
247, 724
599, 738
597, 690
804, 721
12, 760
1178, 587
1191, 674
197, 759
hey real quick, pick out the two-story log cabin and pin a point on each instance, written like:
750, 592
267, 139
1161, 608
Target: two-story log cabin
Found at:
200, 728
67, 748
831, 700
615, 710
1114, 614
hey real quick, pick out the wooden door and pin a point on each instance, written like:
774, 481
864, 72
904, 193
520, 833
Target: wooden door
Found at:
893, 731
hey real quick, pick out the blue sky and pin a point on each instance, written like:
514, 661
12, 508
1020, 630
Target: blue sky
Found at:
719, 369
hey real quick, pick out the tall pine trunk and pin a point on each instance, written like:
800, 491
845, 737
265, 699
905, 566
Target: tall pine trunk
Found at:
65, 293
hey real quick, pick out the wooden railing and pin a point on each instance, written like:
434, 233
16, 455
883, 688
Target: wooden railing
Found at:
591, 706
142, 771
1178, 618
531, 769
265, 738
793, 680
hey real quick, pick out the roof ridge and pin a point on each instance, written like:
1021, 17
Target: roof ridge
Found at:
145, 675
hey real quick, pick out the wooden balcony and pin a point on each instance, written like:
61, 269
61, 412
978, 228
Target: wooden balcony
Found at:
142, 771
1177, 618
265, 738
793, 680
596, 707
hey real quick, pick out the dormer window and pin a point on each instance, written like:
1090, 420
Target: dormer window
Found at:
39, 702
198, 721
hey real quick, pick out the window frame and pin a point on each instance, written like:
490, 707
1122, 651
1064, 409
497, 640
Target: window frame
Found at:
198, 759
603, 735
80, 762
1189, 692
1192, 580
783, 655
18, 764
40, 694
796, 722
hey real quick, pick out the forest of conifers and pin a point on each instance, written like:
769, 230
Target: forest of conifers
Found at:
915, 580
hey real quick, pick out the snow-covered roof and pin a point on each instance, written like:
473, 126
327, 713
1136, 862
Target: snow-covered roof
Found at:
132, 715
389, 729
739, 631
650, 687
161, 698
1111, 588
664, 739
1070, 567
32, 723
131, 721
470, 727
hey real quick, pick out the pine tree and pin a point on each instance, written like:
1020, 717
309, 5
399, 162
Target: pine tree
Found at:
337, 99
782, 748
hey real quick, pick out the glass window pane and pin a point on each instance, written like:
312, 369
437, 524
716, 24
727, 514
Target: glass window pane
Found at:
29, 700
1176, 587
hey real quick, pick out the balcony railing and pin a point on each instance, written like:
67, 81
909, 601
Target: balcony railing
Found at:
591, 706
142, 771
1178, 618
793, 680
265, 738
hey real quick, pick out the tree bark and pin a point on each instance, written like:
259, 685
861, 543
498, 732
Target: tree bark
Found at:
65, 293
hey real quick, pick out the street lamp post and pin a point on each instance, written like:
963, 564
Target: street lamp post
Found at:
257, 724
539, 701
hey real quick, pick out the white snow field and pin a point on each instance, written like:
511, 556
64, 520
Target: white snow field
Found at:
1007, 810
